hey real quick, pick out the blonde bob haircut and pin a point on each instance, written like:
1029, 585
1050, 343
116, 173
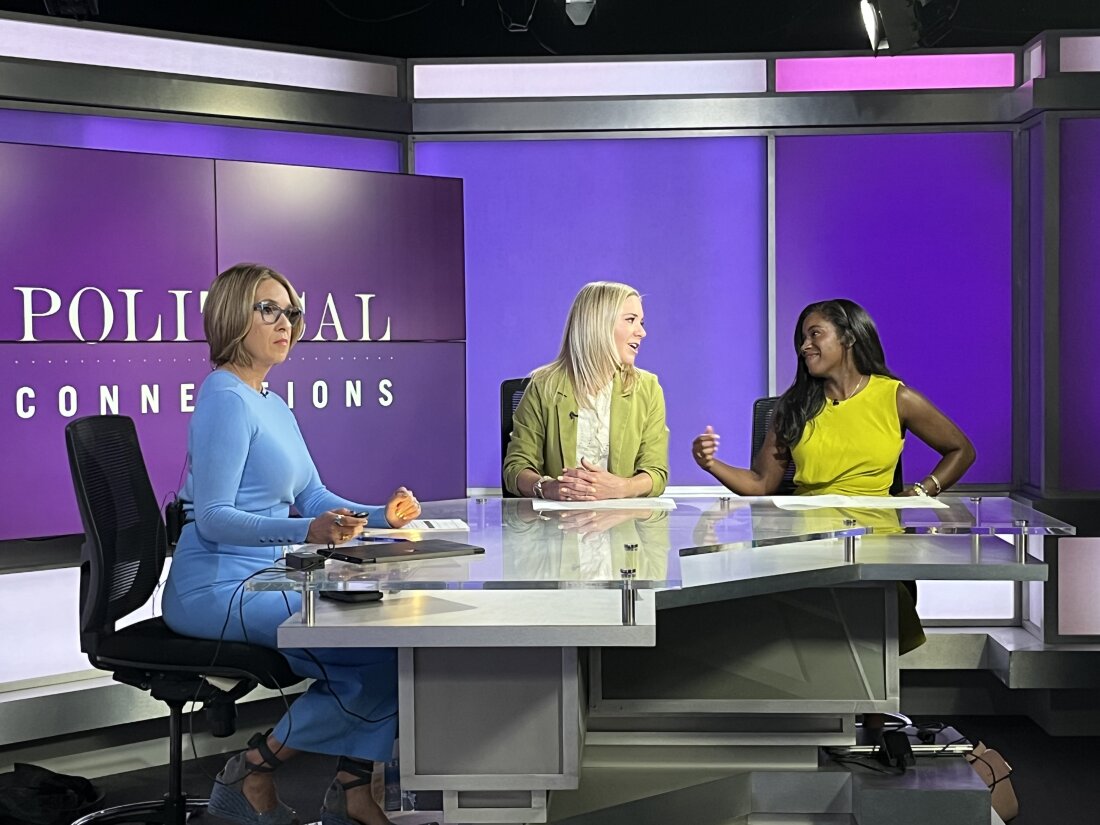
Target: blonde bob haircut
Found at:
227, 315
588, 355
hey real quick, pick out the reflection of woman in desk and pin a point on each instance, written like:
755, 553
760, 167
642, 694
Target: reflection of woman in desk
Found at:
584, 545
591, 425
247, 465
842, 420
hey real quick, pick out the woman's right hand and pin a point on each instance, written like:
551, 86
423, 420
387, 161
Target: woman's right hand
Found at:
335, 527
704, 447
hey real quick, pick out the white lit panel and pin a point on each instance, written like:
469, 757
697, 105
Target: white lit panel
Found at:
588, 79
122, 50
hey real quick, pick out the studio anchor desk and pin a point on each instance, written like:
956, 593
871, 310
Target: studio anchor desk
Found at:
757, 635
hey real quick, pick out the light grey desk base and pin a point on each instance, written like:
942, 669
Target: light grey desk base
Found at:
490, 686
716, 727
725, 728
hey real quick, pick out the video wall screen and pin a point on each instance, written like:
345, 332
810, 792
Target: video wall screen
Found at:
683, 220
918, 229
1079, 303
103, 271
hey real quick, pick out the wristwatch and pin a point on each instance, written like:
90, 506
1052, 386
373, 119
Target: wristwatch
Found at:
537, 488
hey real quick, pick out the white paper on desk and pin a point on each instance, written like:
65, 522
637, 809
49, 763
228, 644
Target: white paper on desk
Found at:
420, 525
857, 502
658, 503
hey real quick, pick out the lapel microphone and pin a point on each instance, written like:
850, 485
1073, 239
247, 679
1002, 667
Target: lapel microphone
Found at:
573, 415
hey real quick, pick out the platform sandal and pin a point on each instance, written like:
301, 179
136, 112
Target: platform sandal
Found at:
335, 810
228, 801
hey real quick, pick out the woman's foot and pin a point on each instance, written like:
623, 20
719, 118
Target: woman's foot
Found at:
258, 786
244, 791
361, 805
349, 800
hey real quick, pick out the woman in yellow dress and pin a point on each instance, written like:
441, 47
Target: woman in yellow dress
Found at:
843, 421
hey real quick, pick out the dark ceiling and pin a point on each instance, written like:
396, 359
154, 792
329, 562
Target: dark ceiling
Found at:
476, 28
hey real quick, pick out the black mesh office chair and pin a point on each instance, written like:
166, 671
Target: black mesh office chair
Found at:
121, 563
511, 391
762, 411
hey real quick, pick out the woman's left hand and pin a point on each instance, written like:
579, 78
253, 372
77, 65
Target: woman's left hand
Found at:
402, 507
591, 483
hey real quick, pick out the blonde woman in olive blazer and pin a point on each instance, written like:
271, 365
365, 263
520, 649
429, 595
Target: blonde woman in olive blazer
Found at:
594, 385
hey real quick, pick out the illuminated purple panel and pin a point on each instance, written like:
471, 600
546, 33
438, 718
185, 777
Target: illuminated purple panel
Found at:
1079, 303
926, 71
82, 226
684, 220
118, 246
159, 137
397, 238
367, 438
1035, 379
918, 229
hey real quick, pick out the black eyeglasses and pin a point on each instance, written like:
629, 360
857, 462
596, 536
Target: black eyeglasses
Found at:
269, 312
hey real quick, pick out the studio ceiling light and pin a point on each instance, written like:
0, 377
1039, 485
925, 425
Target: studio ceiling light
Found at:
579, 10
873, 24
899, 26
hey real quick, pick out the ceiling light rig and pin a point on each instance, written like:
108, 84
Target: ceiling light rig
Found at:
897, 26
80, 9
579, 10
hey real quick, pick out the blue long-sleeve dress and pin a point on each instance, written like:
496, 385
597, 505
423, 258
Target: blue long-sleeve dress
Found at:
248, 464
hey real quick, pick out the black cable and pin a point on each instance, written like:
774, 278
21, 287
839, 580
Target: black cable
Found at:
238, 594
387, 19
512, 26
217, 649
324, 673
867, 762
993, 772
947, 27
538, 40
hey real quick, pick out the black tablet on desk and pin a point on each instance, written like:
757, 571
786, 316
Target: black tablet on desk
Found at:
373, 552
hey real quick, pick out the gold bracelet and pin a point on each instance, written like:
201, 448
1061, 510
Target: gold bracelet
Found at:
939, 487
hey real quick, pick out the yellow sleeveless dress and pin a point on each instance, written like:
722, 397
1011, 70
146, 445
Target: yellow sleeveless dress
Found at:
851, 449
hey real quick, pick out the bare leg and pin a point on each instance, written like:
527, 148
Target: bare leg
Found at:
349, 799
258, 787
361, 804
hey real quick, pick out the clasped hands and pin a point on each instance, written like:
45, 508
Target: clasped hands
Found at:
340, 525
585, 483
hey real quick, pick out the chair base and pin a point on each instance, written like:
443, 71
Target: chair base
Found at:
162, 812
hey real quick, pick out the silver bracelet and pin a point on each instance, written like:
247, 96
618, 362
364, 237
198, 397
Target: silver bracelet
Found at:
920, 489
536, 489
939, 487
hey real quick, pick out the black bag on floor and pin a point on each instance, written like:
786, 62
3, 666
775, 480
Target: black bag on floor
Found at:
31, 795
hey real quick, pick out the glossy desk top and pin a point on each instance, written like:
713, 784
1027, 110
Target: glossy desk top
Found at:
705, 548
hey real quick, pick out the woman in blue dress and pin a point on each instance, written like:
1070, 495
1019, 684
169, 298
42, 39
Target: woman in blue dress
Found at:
248, 465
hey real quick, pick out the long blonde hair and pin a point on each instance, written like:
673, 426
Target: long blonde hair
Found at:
588, 356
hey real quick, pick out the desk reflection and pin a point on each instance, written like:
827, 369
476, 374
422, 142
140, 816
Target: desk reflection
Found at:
584, 545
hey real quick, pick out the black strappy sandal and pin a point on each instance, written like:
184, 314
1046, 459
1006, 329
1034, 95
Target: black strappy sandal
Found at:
228, 801
335, 810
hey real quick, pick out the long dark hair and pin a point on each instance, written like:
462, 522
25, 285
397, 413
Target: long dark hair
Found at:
806, 396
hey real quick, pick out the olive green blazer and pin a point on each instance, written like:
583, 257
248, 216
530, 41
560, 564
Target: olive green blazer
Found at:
544, 431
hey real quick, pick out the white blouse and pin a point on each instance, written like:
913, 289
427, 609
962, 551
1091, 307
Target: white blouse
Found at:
594, 430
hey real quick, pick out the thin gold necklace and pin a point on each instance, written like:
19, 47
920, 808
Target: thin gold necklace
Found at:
836, 401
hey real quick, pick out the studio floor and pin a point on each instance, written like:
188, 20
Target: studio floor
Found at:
1057, 779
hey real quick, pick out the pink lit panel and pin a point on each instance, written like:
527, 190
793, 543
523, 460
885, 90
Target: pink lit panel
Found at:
926, 71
